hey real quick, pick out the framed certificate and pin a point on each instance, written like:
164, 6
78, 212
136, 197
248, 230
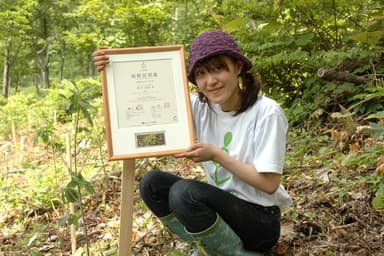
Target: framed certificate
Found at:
146, 102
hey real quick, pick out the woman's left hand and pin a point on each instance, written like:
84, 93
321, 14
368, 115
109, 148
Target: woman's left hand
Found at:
100, 59
199, 152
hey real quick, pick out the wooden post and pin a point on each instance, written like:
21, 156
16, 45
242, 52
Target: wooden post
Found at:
126, 207
22, 145
13, 127
71, 205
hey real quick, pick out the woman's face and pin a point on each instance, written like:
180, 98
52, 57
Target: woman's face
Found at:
217, 80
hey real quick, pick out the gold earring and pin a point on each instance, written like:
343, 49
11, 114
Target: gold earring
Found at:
240, 83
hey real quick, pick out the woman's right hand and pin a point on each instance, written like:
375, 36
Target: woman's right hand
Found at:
100, 59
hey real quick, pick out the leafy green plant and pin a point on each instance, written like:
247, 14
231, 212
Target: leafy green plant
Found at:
47, 135
376, 129
79, 105
369, 101
175, 253
378, 200
15, 113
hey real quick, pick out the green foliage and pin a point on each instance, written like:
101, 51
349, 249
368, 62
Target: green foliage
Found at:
47, 134
287, 41
330, 253
29, 111
378, 200
311, 151
376, 130
295, 39
14, 113
175, 253
72, 192
369, 101
79, 101
34, 195
364, 159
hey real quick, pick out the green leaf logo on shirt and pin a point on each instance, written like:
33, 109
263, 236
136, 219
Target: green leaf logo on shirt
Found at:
227, 141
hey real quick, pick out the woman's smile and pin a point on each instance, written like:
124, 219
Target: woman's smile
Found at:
215, 91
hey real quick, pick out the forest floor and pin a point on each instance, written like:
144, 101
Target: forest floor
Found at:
332, 212
319, 223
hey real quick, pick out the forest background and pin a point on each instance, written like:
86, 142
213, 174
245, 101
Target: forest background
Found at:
323, 61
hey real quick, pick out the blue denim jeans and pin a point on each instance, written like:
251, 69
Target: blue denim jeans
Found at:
195, 204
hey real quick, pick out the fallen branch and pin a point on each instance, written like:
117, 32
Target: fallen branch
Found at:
345, 226
335, 75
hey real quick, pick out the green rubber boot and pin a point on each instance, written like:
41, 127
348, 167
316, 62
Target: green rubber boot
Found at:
221, 240
174, 225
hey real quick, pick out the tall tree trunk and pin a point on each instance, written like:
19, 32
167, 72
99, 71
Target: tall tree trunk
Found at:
36, 73
6, 69
44, 67
36, 79
61, 74
44, 53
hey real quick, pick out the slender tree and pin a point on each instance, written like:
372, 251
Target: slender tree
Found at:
14, 32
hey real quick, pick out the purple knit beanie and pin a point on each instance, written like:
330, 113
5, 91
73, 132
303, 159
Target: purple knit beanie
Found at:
213, 43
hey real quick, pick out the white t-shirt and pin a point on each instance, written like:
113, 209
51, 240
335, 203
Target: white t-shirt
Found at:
256, 136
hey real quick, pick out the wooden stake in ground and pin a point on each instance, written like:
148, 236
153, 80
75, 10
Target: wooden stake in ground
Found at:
126, 208
14, 134
71, 205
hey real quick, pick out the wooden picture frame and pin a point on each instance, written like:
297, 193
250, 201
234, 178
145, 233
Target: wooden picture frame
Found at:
146, 102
